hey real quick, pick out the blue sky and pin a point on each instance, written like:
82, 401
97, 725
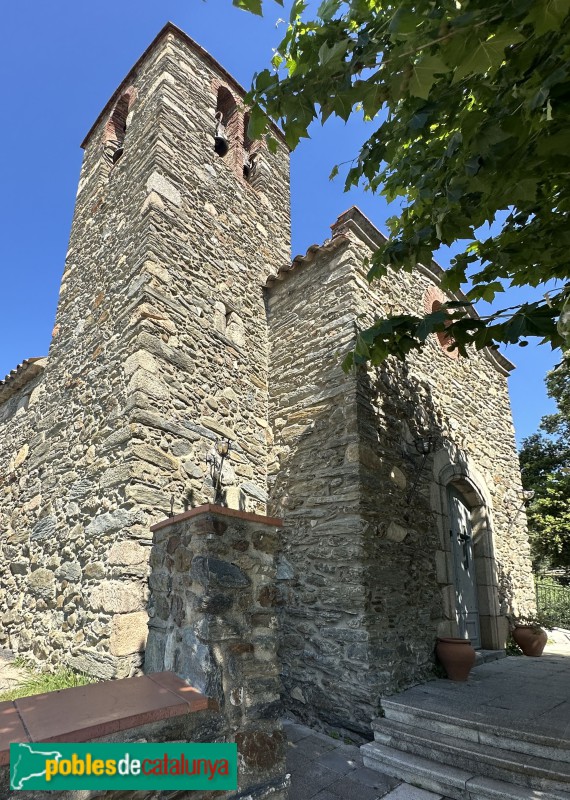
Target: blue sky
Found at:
60, 63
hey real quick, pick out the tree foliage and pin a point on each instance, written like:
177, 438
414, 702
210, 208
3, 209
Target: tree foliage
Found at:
545, 462
471, 131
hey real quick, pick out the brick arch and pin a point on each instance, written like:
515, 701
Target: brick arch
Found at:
116, 125
434, 298
244, 153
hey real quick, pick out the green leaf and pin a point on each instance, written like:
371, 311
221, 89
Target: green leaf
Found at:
264, 80
486, 55
342, 104
423, 75
257, 123
328, 9
548, 15
485, 292
334, 173
297, 9
556, 143
404, 22
334, 52
373, 95
294, 132
271, 142
253, 6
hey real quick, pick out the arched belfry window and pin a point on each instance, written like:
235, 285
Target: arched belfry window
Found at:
445, 340
116, 128
226, 121
248, 156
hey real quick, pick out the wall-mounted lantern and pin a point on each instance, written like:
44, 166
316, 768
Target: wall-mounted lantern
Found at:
216, 463
424, 445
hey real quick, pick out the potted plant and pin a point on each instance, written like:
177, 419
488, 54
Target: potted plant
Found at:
530, 635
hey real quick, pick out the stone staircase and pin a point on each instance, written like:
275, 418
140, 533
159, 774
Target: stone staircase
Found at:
466, 758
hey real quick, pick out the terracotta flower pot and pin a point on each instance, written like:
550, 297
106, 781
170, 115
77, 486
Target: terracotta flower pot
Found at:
531, 639
457, 656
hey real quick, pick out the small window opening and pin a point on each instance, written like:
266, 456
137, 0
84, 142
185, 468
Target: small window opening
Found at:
226, 119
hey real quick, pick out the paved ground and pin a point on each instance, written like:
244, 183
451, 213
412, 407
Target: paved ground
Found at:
510, 692
519, 693
323, 768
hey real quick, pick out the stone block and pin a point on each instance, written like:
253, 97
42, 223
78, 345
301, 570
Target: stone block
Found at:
149, 384
128, 553
155, 456
162, 186
395, 532
109, 522
148, 496
441, 558
44, 529
141, 359
223, 573
41, 583
69, 571
117, 597
128, 633
261, 750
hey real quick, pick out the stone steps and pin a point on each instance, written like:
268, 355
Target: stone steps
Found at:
446, 780
486, 733
523, 769
467, 758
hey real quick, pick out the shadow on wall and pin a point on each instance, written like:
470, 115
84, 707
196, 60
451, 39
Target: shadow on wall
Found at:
366, 570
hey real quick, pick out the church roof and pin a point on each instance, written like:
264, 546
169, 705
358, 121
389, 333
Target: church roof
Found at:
20, 376
355, 222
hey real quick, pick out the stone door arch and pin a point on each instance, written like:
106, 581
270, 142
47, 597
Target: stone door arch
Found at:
459, 480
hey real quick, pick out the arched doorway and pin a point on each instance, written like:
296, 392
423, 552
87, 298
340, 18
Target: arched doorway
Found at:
463, 567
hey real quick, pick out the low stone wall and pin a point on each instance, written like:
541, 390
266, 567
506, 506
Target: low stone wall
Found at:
153, 708
213, 622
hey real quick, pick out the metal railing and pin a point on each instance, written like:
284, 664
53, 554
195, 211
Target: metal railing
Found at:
553, 601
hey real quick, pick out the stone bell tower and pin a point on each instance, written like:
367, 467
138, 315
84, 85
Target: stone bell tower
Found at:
160, 348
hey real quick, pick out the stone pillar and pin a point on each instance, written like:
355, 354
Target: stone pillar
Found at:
213, 623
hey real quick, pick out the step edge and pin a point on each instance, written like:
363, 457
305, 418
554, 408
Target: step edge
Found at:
530, 736
375, 753
479, 751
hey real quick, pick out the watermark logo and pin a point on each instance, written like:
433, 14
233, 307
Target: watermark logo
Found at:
101, 765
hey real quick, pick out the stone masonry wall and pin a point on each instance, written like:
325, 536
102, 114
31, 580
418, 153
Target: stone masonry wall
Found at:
465, 402
213, 622
159, 348
366, 568
324, 640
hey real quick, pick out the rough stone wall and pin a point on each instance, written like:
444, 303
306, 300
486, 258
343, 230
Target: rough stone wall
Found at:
160, 346
213, 622
465, 403
18, 493
366, 568
324, 640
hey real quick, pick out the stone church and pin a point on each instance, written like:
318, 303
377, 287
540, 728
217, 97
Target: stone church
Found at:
182, 321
